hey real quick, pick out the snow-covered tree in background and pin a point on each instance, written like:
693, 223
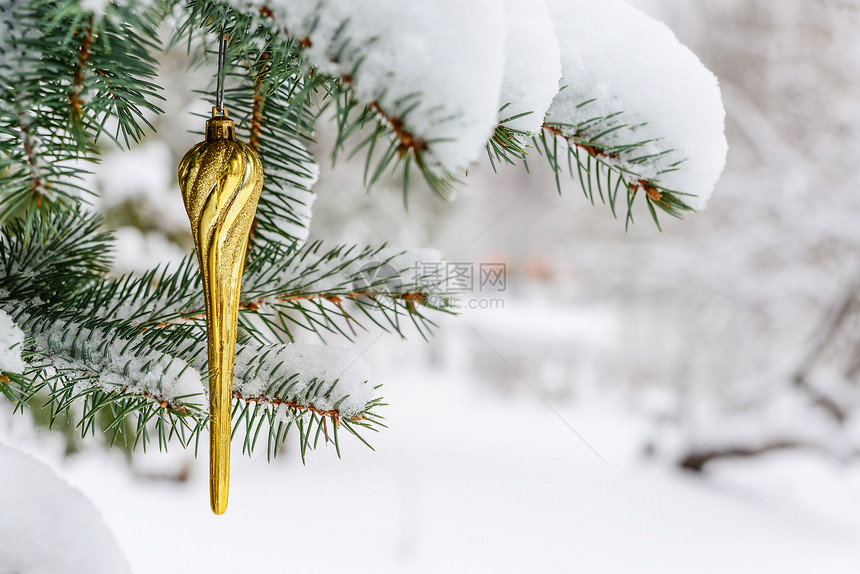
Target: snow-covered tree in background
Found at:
599, 91
758, 342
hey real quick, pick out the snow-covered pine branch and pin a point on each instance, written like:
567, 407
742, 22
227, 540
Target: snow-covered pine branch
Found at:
530, 82
79, 370
637, 104
429, 71
422, 84
439, 80
637, 111
136, 345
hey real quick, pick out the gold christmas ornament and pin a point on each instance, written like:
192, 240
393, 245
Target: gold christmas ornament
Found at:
221, 180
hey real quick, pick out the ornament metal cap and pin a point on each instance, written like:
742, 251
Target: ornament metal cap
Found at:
220, 127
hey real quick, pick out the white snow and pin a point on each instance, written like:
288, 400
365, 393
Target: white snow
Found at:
468, 481
11, 343
532, 65
258, 367
436, 66
48, 526
634, 64
159, 375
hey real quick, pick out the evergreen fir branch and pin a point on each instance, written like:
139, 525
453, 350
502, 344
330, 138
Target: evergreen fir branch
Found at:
604, 154
61, 83
68, 385
324, 291
121, 86
85, 69
99, 349
129, 349
319, 289
604, 166
45, 259
271, 105
388, 145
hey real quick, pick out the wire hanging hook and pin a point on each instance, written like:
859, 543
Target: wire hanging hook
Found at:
219, 78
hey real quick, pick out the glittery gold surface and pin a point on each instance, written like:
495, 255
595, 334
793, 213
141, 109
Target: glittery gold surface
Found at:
221, 180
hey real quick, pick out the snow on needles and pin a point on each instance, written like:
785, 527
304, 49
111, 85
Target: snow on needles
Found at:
120, 363
326, 378
305, 372
11, 343
435, 66
443, 69
532, 65
619, 60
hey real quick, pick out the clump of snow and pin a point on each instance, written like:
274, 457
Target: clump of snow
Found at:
120, 365
436, 66
618, 59
258, 372
11, 343
48, 526
532, 65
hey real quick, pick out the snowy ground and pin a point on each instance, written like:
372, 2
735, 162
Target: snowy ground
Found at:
466, 480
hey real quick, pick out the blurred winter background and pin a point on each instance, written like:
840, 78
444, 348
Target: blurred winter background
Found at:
683, 401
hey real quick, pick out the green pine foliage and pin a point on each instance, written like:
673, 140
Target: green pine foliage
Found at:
69, 79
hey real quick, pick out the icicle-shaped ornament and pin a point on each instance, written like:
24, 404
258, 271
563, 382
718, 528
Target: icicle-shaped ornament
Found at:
221, 180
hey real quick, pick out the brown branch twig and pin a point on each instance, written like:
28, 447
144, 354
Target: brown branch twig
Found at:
408, 140
695, 461
334, 414
409, 298
257, 106
78, 80
162, 402
38, 185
